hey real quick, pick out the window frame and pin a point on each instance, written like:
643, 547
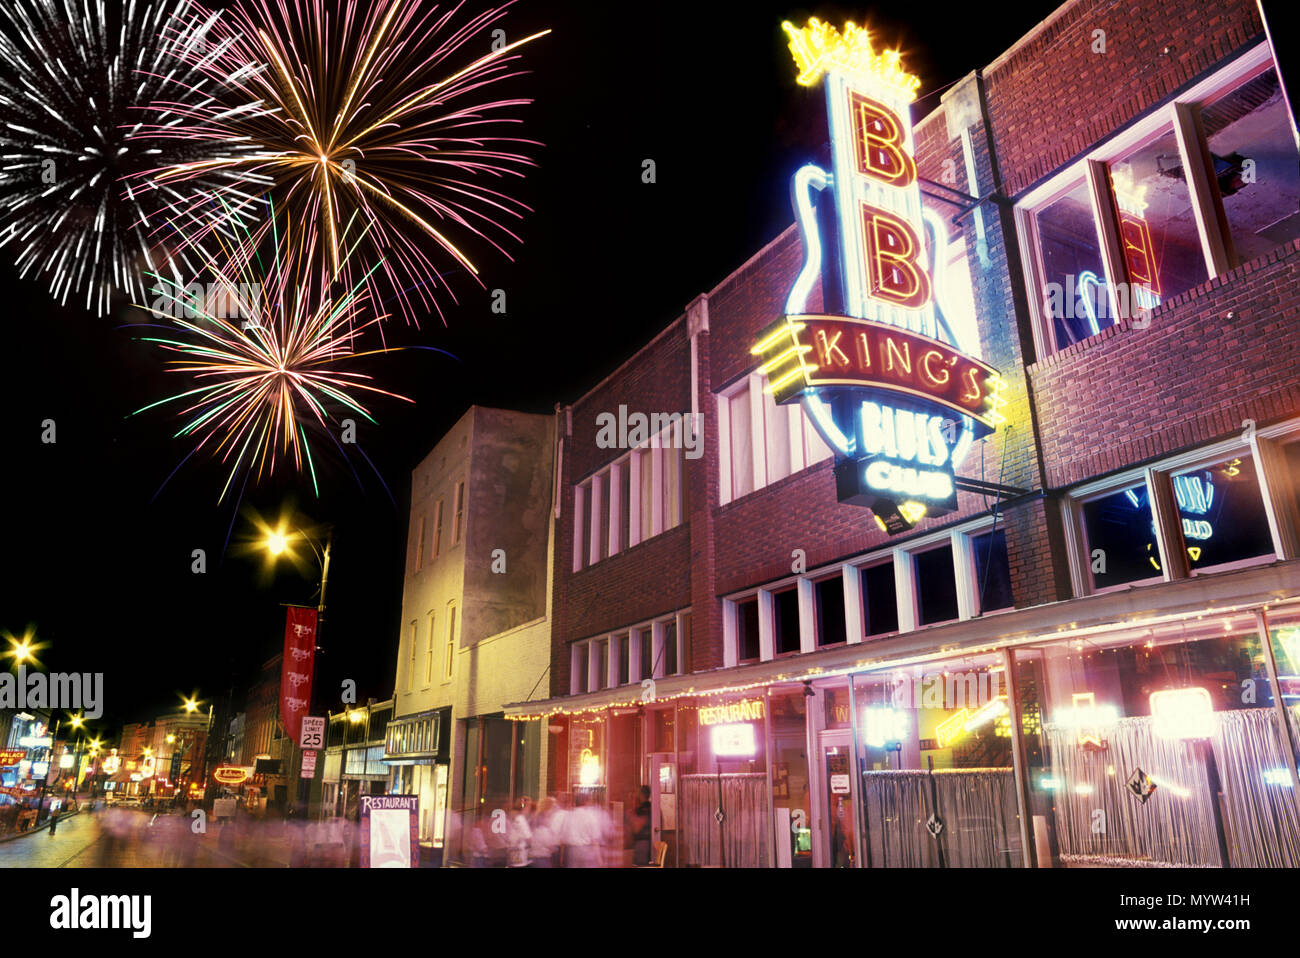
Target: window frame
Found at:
450, 664
410, 670
801, 442
598, 500
593, 681
960, 538
428, 655
1263, 446
437, 528
1179, 112
458, 522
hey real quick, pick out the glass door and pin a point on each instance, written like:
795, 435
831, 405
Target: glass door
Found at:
839, 832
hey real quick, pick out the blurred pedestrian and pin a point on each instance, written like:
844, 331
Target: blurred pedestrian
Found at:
641, 828
584, 834
519, 835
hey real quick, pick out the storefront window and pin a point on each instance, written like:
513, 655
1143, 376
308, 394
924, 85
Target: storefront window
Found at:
1285, 632
1222, 513
498, 735
785, 627
724, 769
829, 597
791, 792
587, 773
936, 585
935, 758
1157, 747
879, 599
1072, 267
1120, 538
1254, 154
1158, 233
992, 571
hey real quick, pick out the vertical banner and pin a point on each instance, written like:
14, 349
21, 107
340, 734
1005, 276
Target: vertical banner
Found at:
297, 667
390, 831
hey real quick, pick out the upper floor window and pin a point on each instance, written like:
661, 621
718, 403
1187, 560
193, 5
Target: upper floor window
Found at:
633, 499
652, 650
419, 545
451, 639
1191, 191
458, 525
1217, 519
437, 528
947, 576
761, 442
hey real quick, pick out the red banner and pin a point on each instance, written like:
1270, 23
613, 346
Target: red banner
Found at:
297, 668
11, 756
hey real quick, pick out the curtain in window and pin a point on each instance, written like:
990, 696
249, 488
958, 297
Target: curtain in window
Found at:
1176, 825
976, 807
743, 830
742, 449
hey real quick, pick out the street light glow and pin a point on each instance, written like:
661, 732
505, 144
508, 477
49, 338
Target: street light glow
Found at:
276, 543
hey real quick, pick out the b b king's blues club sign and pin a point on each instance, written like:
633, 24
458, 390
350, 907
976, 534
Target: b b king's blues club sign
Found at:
883, 371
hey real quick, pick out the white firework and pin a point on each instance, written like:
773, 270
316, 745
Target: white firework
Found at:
79, 81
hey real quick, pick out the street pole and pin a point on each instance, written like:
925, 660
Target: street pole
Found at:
304, 784
45, 783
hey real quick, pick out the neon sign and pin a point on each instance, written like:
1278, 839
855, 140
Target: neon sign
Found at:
735, 740
884, 377
1135, 235
1182, 713
746, 710
230, 774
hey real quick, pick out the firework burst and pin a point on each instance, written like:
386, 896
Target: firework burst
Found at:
268, 357
369, 124
77, 87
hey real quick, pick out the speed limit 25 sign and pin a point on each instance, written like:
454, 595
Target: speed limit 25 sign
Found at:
313, 732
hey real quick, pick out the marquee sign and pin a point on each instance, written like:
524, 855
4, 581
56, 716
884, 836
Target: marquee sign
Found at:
892, 386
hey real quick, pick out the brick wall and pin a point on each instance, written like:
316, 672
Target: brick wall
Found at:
1053, 98
1191, 377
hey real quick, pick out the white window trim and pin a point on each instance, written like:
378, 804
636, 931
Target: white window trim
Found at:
428, 655
579, 510
1176, 113
903, 558
635, 665
594, 552
797, 425
590, 495
1269, 471
449, 666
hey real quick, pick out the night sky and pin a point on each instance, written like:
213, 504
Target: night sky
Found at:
98, 561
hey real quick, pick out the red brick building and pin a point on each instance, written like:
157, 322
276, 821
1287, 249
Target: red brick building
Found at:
1097, 658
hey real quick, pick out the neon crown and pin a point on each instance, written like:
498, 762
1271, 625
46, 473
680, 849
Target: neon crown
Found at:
819, 47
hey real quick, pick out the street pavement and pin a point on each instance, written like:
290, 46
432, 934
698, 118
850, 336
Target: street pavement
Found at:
130, 838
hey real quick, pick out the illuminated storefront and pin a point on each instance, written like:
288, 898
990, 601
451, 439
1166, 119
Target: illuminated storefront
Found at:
992, 556
417, 752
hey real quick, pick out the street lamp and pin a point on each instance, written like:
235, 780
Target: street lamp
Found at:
276, 542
